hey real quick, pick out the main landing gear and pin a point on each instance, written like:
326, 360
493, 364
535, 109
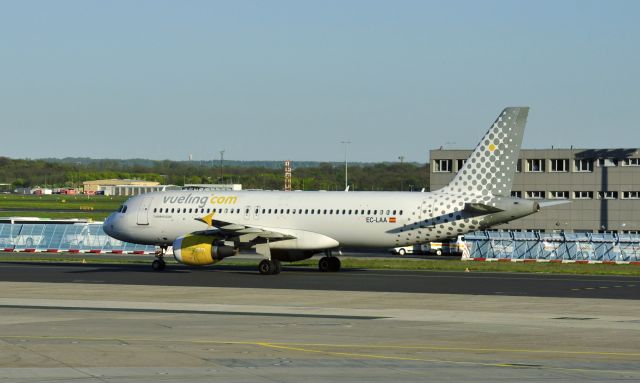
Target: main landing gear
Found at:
159, 264
329, 263
269, 267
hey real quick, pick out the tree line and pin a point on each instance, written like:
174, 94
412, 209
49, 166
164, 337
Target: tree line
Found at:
267, 175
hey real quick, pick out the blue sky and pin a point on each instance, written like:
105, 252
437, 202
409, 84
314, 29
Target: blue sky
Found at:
275, 80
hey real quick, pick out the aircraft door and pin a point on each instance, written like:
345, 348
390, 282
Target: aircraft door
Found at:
143, 211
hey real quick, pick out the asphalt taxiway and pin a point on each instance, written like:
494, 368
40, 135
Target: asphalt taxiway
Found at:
136, 333
125, 323
299, 278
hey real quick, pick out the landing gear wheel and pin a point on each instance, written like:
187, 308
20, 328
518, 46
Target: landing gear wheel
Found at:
269, 267
324, 264
278, 266
334, 264
402, 252
158, 265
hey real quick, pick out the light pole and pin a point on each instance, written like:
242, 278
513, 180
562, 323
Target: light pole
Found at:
346, 168
221, 164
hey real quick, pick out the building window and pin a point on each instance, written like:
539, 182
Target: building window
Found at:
631, 162
608, 195
583, 194
535, 194
516, 194
630, 195
535, 165
584, 165
460, 164
519, 166
559, 195
559, 165
607, 162
442, 166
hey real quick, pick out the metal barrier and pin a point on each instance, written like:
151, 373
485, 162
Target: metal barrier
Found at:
77, 237
552, 247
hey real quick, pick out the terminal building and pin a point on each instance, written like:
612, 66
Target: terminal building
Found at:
124, 187
603, 186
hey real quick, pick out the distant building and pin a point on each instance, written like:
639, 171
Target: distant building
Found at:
603, 186
228, 187
97, 185
124, 187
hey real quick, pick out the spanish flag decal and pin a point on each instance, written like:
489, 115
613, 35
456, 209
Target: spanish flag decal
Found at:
392, 219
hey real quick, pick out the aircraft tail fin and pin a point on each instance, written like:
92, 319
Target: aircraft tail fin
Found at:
492, 165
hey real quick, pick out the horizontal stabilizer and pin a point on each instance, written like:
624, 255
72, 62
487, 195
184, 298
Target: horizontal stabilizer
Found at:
552, 202
481, 208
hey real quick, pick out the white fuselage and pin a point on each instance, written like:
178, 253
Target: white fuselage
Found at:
317, 220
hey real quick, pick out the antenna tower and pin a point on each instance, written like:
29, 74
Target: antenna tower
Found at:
287, 175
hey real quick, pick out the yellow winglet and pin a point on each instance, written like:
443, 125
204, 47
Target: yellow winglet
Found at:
208, 219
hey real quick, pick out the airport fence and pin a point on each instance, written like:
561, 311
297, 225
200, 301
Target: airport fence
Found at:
86, 237
552, 247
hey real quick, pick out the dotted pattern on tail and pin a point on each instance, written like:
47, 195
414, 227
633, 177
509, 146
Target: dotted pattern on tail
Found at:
491, 167
485, 178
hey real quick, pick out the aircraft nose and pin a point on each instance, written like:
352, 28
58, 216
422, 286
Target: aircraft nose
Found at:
108, 226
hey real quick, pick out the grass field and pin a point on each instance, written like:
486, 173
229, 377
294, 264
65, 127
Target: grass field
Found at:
59, 206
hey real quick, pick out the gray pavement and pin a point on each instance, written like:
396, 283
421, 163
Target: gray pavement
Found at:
136, 333
309, 278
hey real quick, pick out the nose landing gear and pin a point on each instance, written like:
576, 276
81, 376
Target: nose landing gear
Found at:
159, 264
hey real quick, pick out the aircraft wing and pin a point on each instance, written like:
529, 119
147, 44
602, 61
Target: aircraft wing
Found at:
242, 233
481, 208
552, 202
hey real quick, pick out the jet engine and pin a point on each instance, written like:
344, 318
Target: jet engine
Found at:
200, 250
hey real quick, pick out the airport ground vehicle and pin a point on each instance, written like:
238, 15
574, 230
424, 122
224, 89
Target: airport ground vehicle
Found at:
437, 248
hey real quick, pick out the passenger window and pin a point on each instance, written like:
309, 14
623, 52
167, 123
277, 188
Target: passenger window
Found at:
294, 211
400, 212
264, 210
325, 211
288, 211
226, 211
190, 210
306, 211
349, 211
394, 212
269, 211
375, 212
362, 211
312, 210
220, 211
172, 210
344, 211
368, 212
387, 212
208, 211
281, 211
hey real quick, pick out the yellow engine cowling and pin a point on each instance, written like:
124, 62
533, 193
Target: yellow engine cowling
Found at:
200, 250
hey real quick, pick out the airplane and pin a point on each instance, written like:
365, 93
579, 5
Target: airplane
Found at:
204, 227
